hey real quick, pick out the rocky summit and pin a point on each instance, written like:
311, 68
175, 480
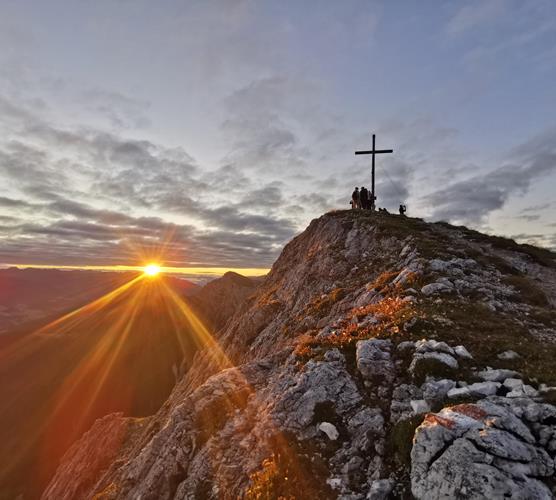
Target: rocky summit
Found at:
382, 357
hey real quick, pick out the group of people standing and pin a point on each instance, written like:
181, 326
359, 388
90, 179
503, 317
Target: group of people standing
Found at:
363, 198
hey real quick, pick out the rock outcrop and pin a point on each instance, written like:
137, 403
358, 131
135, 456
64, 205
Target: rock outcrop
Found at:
496, 448
368, 364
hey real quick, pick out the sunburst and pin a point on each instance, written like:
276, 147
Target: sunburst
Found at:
151, 269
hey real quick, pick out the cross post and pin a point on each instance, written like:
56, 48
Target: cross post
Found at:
373, 152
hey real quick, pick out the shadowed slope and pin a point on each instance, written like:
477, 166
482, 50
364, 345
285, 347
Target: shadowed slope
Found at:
122, 352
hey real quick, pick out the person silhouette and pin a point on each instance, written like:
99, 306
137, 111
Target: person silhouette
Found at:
356, 199
403, 209
364, 197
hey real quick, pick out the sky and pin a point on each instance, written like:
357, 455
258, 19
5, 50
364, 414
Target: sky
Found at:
209, 133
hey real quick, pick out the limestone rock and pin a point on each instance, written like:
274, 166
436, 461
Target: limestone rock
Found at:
508, 355
458, 392
374, 359
470, 451
89, 457
513, 383
330, 430
405, 346
400, 406
462, 352
484, 388
521, 391
422, 346
419, 406
497, 375
436, 288
380, 489
429, 362
435, 391
292, 386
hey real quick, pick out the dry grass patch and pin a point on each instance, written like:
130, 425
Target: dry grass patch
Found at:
528, 291
486, 334
387, 318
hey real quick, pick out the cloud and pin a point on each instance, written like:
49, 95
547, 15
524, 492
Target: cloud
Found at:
502, 30
121, 111
85, 235
473, 199
529, 217
95, 195
11, 203
267, 197
474, 14
536, 208
537, 239
264, 122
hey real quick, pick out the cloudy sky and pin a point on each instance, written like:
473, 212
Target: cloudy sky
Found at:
218, 129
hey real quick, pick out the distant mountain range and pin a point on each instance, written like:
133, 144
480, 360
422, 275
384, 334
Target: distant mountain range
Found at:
29, 296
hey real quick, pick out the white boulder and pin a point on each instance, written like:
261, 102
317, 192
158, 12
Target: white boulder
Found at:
483, 388
374, 359
436, 288
508, 355
462, 352
497, 375
330, 430
419, 406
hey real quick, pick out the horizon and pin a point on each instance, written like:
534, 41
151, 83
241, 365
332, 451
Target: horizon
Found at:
209, 134
193, 274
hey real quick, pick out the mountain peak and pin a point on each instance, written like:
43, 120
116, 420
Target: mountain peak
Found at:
375, 342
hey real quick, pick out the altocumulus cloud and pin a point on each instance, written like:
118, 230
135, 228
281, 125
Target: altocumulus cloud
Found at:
473, 199
86, 196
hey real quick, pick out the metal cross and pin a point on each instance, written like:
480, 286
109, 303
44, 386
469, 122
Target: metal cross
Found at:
373, 152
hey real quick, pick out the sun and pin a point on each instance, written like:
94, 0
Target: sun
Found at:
151, 269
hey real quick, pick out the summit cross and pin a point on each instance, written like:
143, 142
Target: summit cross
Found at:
373, 152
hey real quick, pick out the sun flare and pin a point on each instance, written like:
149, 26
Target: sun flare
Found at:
152, 269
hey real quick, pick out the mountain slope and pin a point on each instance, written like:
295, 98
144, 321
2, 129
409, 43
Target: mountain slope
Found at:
121, 352
365, 328
219, 299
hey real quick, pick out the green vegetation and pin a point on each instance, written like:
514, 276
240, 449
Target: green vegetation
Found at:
486, 333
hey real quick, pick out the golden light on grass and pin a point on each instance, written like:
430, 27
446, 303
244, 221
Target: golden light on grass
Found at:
152, 269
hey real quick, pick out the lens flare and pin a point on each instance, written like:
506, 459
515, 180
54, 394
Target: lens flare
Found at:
152, 269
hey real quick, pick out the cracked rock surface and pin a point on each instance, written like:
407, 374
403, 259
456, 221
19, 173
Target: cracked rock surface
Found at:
482, 450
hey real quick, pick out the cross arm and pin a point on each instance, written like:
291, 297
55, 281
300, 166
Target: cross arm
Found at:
376, 151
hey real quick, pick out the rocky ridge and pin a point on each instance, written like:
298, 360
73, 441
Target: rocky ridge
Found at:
217, 301
382, 357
